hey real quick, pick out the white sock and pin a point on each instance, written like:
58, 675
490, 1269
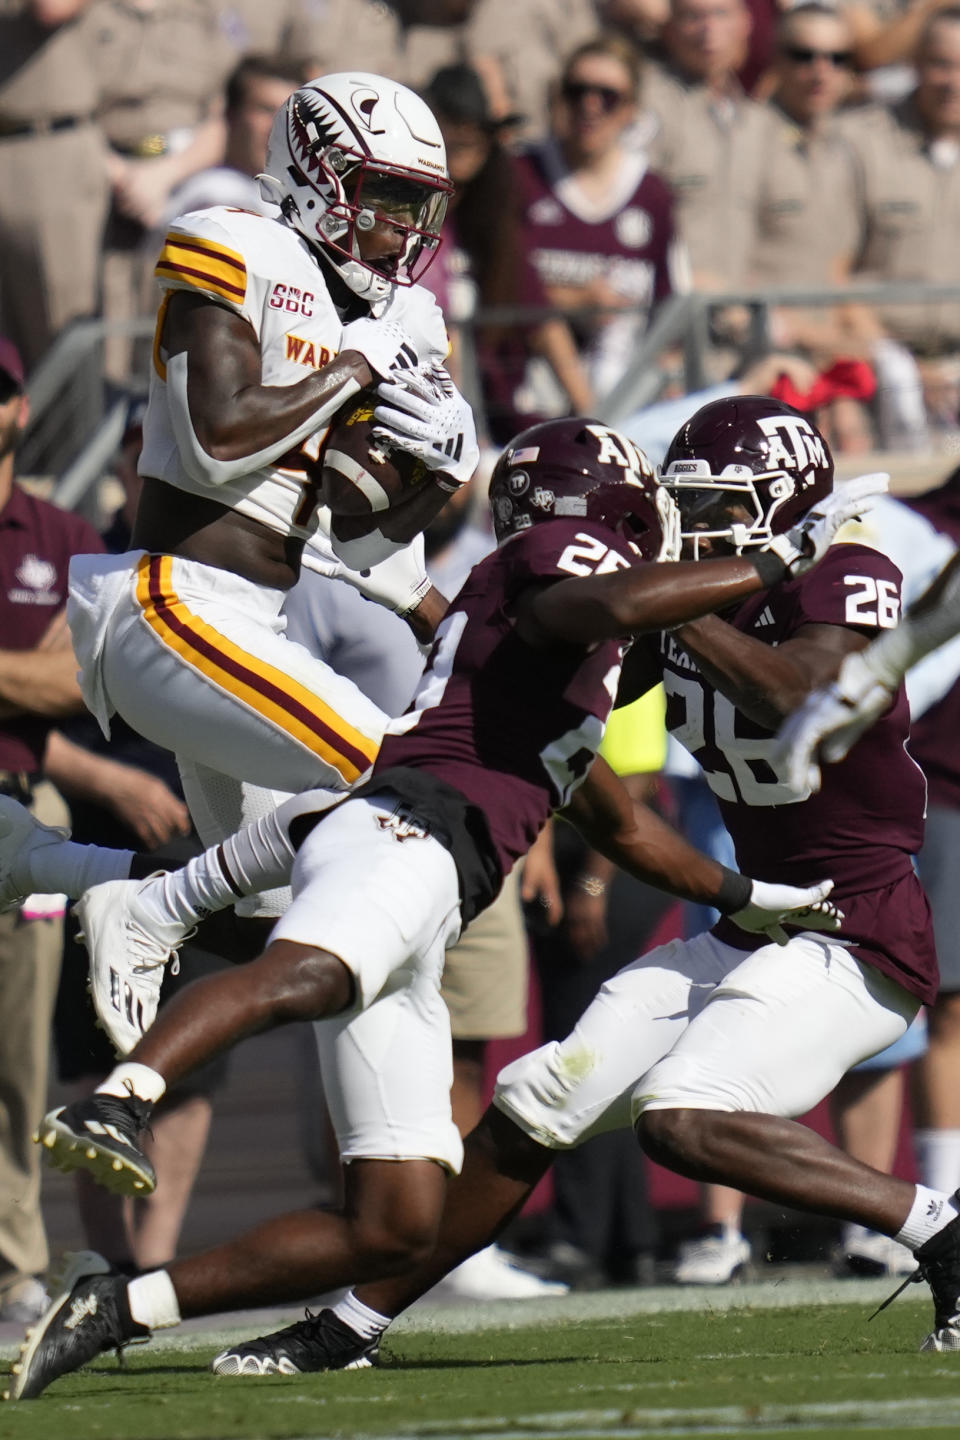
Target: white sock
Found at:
258, 857
68, 868
362, 1320
128, 1078
930, 1212
938, 1158
153, 1300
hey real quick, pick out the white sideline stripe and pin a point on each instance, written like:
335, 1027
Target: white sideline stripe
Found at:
724, 1420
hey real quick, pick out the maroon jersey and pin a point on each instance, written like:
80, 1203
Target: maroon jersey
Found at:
37, 543
628, 244
512, 728
865, 824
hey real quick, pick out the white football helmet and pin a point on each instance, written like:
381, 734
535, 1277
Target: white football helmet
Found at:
349, 149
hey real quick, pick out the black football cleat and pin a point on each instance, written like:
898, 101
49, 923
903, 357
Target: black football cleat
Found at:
89, 1314
320, 1342
100, 1134
939, 1262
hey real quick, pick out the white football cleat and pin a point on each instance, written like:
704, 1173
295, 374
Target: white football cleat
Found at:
865, 1252
128, 955
492, 1275
712, 1259
20, 834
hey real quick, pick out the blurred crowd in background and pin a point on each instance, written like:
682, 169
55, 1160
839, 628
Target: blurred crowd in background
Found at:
797, 166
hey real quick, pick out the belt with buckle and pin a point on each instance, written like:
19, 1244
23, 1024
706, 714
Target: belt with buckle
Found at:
144, 149
11, 129
19, 784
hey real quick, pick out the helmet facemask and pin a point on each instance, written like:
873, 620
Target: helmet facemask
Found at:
727, 509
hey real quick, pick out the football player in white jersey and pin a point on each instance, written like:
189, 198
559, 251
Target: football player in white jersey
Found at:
266, 327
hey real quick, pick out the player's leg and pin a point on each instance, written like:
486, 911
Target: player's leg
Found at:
238, 697
555, 1098
369, 898
548, 1100
133, 927
389, 1220
773, 1040
387, 1074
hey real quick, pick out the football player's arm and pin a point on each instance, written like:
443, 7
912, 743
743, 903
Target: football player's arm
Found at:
650, 597
226, 420
637, 840
767, 682
652, 851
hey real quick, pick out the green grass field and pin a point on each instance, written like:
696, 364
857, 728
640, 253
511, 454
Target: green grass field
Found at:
752, 1362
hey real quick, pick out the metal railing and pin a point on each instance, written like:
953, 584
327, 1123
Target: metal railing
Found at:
77, 415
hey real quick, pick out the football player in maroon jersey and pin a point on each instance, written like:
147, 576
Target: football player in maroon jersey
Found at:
503, 730
707, 1046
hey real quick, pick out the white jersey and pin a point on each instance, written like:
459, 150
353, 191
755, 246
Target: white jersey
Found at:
265, 272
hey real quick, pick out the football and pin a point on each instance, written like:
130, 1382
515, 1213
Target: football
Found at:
367, 486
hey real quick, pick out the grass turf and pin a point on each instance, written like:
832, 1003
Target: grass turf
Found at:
814, 1369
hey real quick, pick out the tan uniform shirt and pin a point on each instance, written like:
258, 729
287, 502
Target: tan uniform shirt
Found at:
43, 72
261, 27
529, 40
713, 152
810, 220
161, 64
337, 35
53, 183
911, 198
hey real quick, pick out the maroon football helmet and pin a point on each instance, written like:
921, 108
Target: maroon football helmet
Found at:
745, 469
578, 468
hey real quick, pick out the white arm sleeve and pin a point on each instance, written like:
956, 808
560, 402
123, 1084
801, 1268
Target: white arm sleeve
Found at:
201, 466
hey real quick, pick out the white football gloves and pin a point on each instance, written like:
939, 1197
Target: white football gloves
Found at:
398, 583
386, 345
808, 542
830, 721
770, 907
425, 415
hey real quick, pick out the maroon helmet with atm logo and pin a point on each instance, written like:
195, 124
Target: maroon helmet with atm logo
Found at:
567, 469
745, 469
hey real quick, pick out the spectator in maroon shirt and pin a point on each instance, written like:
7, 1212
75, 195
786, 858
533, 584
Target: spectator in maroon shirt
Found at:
598, 224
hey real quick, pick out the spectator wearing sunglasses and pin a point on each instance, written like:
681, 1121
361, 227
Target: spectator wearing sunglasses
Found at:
596, 220
809, 160
811, 171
